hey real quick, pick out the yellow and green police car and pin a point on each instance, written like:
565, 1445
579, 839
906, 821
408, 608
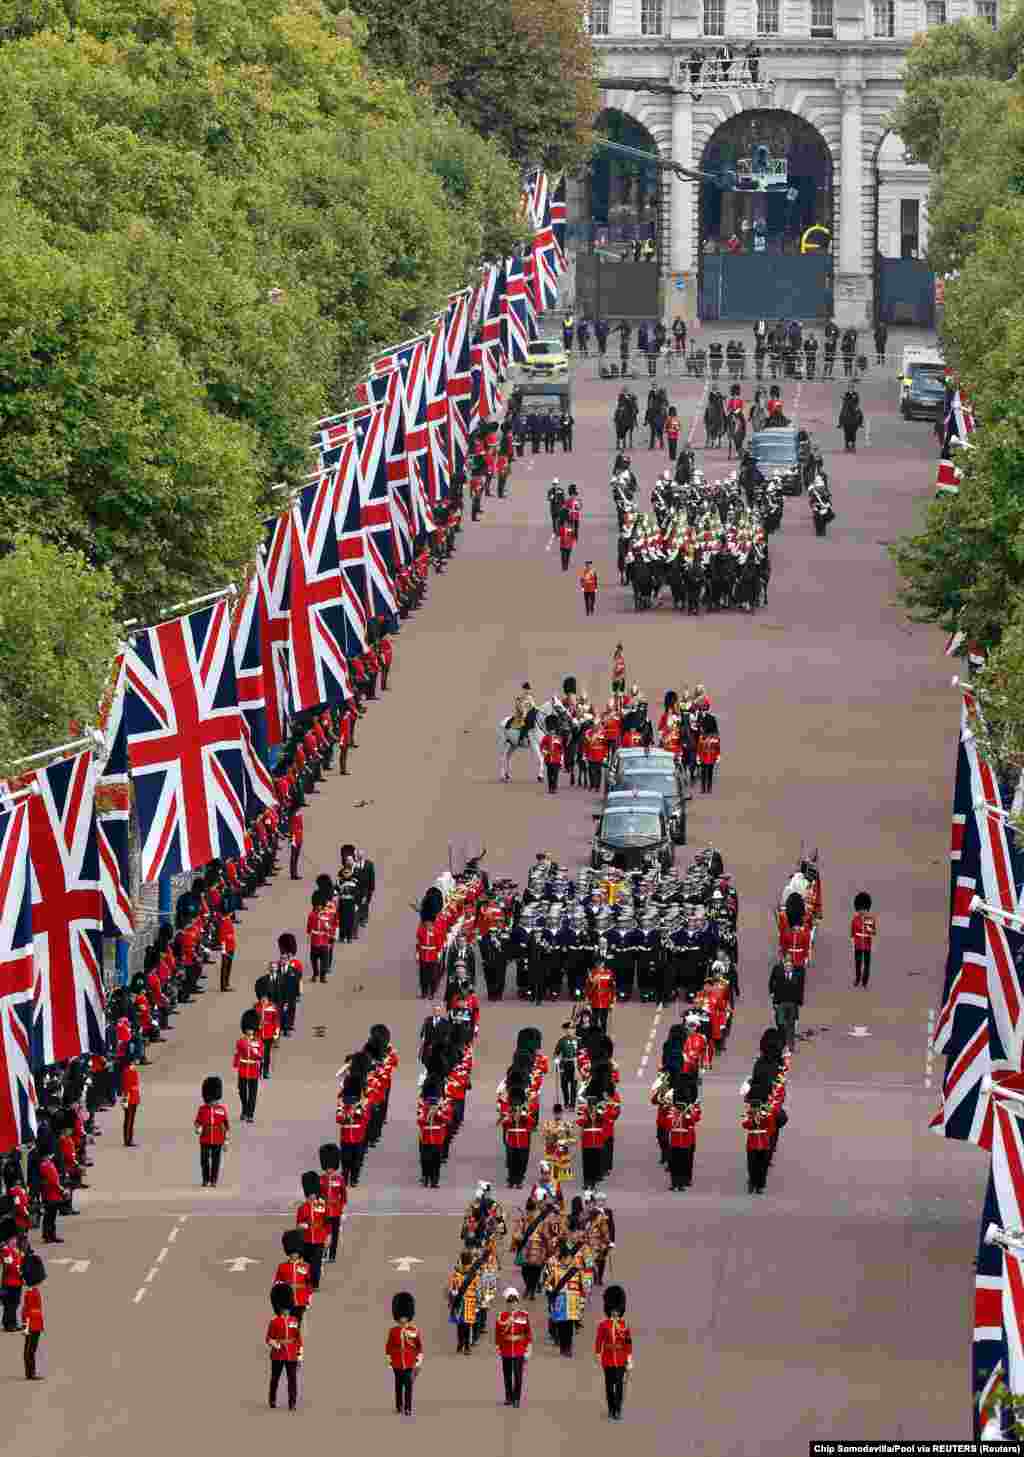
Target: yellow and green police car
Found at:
546, 358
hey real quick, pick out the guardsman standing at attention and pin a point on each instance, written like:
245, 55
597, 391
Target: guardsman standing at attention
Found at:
404, 1350
131, 1097
613, 1349
247, 1063
588, 586
566, 541
600, 993
226, 940
334, 1192
863, 930
429, 946
552, 751
11, 1260
270, 1022
513, 1335
284, 1342
296, 833
213, 1127
33, 1273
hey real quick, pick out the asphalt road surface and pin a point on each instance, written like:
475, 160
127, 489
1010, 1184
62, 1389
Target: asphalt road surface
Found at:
836, 1306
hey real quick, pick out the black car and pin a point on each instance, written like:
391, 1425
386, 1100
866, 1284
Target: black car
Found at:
633, 833
656, 772
925, 396
785, 452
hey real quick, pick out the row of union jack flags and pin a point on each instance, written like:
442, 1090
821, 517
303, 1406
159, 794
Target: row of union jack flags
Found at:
958, 426
195, 702
980, 1033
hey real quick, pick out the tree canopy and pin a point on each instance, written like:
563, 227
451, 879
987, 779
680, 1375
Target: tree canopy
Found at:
520, 71
214, 211
963, 114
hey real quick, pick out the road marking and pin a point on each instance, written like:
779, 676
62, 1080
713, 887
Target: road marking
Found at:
154, 1272
139, 1295
78, 1267
238, 1265
162, 1255
172, 1236
404, 1263
859, 1032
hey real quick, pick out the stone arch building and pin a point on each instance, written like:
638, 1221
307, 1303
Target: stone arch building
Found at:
834, 64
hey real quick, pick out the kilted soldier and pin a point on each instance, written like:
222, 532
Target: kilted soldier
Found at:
284, 1342
404, 1350
213, 1127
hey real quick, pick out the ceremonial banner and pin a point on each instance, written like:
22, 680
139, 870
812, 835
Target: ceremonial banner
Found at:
375, 512
438, 477
319, 672
352, 552
113, 812
67, 913
272, 569
185, 742
17, 1087
460, 379
245, 642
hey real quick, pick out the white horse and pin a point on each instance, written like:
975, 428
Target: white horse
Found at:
508, 737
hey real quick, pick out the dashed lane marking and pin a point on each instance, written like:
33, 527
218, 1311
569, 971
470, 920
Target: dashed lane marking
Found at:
154, 1270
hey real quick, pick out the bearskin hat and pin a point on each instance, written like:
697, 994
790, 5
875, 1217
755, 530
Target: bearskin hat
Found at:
292, 1242
685, 1088
431, 1088
795, 909
605, 1045
213, 1089
568, 685
360, 1064
765, 1070
710, 724
759, 1091
8, 1229
347, 852
862, 901
615, 1301
33, 1271
330, 1156
310, 1183
431, 905
437, 1067
324, 885
250, 1021
151, 960
287, 944
772, 1041
262, 987
282, 1299
352, 1088
671, 699
403, 1306
164, 937
378, 1041
138, 984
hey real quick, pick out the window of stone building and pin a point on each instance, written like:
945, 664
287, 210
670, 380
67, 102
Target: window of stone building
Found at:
714, 17
910, 227
652, 17
822, 20
885, 18
935, 12
767, 17
599, 17
986, 10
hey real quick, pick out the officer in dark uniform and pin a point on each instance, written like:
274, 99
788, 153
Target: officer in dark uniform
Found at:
535, 425
348, 902
565, 429
619, 957
551, 429
518, 947
648, 953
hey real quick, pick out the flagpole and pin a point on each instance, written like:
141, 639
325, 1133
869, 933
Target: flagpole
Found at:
7, 801
996, 913
92, 738
227, 591
990, 1087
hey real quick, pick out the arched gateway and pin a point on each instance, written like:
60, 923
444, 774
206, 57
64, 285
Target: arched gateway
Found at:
774, 184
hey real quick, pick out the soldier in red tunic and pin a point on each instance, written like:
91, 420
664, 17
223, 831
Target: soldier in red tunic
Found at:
613, 1349
429, 948
247, 1063
284, 1342
131, 1097
334, 1192
270, 1022
11, 1260
863, 930
404, 1350
513, 1335
757, 1122
213, 1127
33, 1273
294, 1271
552, 751
311, 1222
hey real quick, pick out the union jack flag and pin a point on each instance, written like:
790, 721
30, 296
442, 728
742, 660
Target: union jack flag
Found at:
535, 198
272, 570
989, 1361
319, 672
352, 552
410, 363
460, 379
185, 742
245, 642
977, 1028
438, 459
518, 321
959, 421
491, 314
387, 392
113, 812
17, 1087
558, 220
375, 511
67, 913
487, 397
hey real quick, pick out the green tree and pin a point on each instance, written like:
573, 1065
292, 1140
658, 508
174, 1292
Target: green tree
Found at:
521, 71
58, 634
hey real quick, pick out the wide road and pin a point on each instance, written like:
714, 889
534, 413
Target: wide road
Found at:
836, 1306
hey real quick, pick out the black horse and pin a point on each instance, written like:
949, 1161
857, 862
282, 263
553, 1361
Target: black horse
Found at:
714, 420
737, 430
645, 579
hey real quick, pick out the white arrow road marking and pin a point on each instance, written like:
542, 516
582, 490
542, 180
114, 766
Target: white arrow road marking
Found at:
859, 1032
78, 1267
404, 1263
238, 1265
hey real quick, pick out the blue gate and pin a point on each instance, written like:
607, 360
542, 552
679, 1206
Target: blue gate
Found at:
906, 292
767, 285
